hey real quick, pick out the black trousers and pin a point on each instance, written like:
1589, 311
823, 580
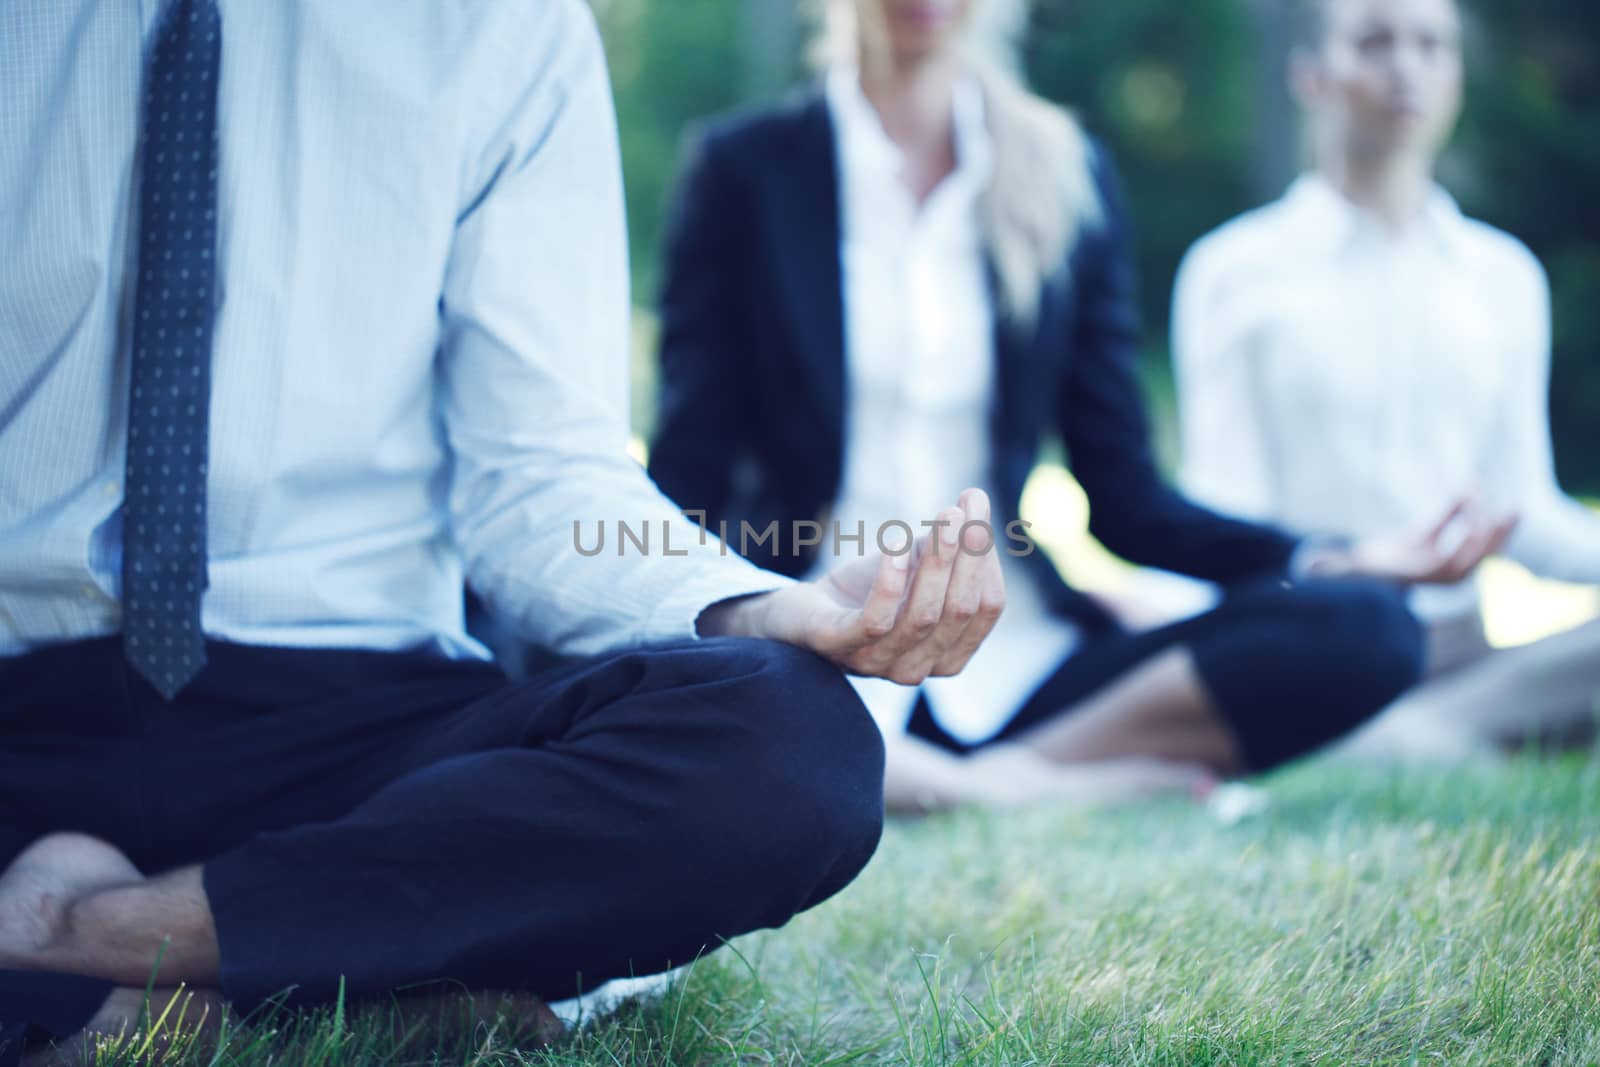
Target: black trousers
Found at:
1290, 666
391, 818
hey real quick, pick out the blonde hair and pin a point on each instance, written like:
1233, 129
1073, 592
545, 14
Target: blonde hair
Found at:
1041, 194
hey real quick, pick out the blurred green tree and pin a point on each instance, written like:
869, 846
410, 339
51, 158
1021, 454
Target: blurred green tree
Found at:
674, 62
1529, 161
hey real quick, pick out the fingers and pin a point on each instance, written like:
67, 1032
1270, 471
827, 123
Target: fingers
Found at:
1457, 543
1483, 541
861, 640
1480, 540
1502, 533
929, 617
1463, 504
944, 636
977, 590
882, 608
914, 641
885, 637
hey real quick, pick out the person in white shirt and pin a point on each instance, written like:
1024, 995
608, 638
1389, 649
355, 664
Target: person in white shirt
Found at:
311, 314
907, 279
1357, 353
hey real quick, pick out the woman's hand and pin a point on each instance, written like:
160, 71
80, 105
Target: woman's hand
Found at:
906, 618
1444, 553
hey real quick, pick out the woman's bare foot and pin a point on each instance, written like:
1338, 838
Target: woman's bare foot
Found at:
1013, 775
40, 886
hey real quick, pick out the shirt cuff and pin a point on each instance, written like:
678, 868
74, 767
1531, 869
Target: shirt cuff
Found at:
1310, 555
677, 613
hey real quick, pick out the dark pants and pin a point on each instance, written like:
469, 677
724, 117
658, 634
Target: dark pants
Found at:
1289, 667
393, 818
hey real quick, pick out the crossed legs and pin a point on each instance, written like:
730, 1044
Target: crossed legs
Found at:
1273, 673
1278, 670
1480, 700
611, 817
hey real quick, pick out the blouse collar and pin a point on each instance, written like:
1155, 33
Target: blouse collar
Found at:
865, 142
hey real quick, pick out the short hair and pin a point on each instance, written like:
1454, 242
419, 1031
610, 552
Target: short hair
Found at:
1311, 22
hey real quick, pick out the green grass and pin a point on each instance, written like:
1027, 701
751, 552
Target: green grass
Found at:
1365, 917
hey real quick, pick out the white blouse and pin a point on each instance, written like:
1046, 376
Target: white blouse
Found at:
1337, 378
919, 342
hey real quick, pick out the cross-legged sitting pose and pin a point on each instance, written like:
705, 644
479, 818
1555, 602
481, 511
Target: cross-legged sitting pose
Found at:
310, 314
905, 280
1357, 353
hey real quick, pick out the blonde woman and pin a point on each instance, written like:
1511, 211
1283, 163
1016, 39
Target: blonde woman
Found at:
903, 280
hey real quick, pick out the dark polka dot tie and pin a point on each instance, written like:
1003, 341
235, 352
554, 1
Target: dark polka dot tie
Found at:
164, 508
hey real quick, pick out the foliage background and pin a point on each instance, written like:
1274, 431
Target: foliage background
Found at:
1190, 97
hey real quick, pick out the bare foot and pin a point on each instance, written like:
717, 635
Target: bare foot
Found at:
43, 882
1415, 740
1116, 782
1012, 775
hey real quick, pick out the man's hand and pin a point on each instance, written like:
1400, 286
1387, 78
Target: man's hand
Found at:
1446, 552
906, 618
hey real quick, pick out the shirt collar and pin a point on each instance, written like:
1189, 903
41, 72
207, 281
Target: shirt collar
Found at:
866, 143
1325, 216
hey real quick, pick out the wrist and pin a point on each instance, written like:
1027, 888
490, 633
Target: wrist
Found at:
739, 616
1325, 557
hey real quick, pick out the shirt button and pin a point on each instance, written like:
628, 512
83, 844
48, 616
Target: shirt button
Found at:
111, 489
90, 591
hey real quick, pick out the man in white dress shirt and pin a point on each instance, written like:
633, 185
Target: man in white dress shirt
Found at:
1359, 352
311, 314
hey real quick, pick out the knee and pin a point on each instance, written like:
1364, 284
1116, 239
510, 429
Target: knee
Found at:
818, 741
811, 769
1379, 643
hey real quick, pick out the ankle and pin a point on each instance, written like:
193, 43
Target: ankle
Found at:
44, 894
33, 929
152, 930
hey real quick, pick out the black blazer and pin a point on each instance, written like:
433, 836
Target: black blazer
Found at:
751, 424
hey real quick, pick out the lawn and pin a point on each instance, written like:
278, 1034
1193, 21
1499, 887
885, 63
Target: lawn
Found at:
1447, 917
1362, 917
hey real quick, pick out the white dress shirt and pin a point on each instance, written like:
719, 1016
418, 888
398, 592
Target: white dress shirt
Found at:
1338, 378
421, 346
919, 341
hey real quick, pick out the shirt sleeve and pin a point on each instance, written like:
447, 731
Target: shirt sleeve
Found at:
1133, 512
1227, 461
705, 418
533, 372
1556, 537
